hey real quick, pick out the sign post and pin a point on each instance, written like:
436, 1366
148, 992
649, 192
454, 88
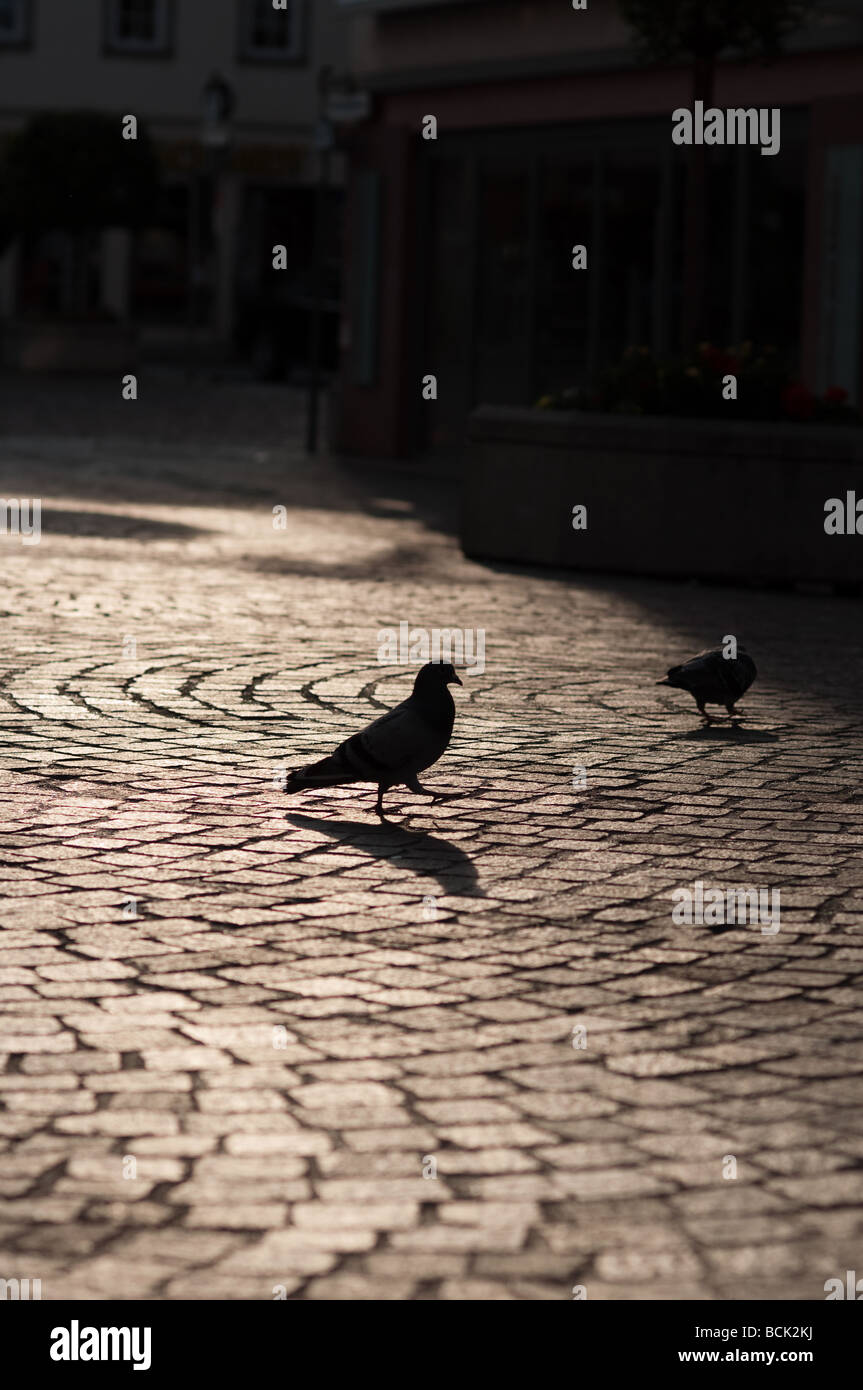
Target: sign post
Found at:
339, 103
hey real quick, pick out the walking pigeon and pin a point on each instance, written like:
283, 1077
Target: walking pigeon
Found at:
715, 679
396, 747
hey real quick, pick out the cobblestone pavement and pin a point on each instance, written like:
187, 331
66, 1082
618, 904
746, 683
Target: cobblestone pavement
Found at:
238, 1029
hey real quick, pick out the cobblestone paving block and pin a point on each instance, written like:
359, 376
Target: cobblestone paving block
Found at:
259, 1047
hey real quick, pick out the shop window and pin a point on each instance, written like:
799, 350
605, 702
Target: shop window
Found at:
138, 27
269, 35
16, 17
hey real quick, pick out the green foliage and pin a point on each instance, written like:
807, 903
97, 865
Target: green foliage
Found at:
73, 171
669, 29
640, 384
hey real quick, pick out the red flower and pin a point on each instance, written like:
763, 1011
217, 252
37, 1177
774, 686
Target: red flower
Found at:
711, 357
716, 360
835, 395
798, 401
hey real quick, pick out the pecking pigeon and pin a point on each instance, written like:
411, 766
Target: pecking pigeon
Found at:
715, 679
396, 747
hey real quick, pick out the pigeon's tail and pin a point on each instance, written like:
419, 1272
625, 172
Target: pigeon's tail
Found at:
673, 678
329, 772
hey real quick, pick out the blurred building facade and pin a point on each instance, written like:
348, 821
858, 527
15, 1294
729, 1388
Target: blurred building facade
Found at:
550, 132
227, 198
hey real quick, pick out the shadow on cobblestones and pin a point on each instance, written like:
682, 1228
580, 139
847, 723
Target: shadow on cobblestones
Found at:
281, 1017
418, 850
718, 733
116, 526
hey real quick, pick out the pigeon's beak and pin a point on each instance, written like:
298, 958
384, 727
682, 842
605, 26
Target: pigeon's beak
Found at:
456, 679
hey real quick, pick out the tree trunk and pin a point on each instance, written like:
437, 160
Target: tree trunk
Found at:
695, 226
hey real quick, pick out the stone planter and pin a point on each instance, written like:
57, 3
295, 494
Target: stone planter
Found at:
742, 500
69, 347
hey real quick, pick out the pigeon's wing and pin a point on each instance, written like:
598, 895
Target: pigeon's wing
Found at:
702, 673
729, 676
711, 676
745, 670
399, 741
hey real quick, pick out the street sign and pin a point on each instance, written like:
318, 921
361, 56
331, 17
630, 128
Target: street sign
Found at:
325, 137
346, 108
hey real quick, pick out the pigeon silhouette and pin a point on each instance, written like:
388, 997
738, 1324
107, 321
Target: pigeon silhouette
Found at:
712, 678
396, 747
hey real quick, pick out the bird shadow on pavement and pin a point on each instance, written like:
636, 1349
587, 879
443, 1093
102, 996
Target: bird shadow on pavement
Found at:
115, 526
727, 733
415, 850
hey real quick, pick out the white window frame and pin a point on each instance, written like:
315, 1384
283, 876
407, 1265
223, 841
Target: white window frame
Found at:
161, 43
21, 32
249, 52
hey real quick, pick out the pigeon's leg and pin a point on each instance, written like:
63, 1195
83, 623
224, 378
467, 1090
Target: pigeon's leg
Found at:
708, 718
379, 804
413, 784
734, 713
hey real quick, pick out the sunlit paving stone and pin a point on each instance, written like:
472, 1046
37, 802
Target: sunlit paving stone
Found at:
254, 1040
